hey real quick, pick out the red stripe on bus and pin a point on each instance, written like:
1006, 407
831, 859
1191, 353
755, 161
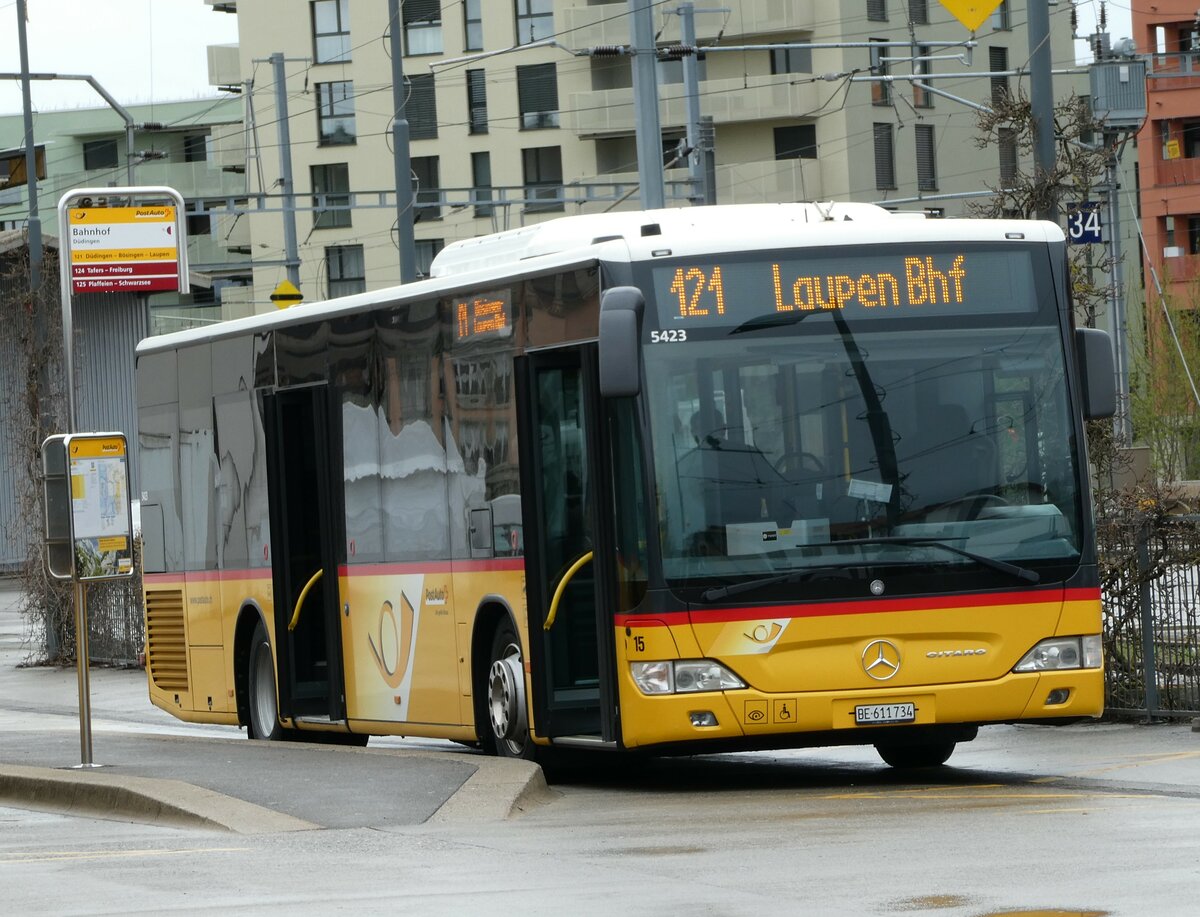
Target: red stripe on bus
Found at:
877, 606
507, 564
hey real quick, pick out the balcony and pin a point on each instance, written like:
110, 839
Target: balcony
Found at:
1177, 172
770, 182
767, 182
223, 66
589, 26
610, 111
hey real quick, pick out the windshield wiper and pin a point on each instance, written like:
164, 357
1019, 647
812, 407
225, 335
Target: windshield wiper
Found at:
1001, 566
795, 576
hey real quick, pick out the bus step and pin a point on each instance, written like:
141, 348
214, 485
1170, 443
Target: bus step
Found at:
582, 742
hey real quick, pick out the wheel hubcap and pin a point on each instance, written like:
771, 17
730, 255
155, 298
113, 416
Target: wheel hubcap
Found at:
506, 698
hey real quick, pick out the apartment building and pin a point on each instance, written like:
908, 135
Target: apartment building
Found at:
1169, 142
520, 110
167, 143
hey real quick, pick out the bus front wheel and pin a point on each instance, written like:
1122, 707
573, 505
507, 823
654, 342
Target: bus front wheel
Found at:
260, 679
922, 754
507, 712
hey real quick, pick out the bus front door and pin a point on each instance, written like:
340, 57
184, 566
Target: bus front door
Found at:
568, 572
304, 554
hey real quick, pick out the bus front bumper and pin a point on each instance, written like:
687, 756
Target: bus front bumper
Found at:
855, 717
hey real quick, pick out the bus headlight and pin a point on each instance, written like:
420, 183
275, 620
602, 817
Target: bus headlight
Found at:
1059, 653
683, 677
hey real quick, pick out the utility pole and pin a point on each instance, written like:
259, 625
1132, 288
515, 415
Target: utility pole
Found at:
1042, 105
291, 250
691, 83
1124, 430
645, 99
35, 221
400, 155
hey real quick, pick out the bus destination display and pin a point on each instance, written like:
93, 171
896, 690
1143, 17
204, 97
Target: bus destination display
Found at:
486, 315
892, 285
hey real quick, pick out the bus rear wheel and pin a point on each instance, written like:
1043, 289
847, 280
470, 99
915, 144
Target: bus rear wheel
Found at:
921, 754
260, 679
507, 713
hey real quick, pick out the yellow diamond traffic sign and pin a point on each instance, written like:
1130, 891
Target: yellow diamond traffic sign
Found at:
971, 13
286, 294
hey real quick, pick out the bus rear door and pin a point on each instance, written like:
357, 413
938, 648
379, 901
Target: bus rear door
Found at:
569, 569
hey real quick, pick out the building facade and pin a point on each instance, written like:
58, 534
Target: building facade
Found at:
520, 110
1168, 31
168, 143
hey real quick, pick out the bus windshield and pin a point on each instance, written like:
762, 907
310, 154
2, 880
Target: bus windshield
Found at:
881, 410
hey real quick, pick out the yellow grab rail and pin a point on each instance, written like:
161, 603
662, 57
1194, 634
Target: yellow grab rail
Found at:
300, 601
562, 585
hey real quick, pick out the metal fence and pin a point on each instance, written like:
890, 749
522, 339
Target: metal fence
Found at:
1150, 581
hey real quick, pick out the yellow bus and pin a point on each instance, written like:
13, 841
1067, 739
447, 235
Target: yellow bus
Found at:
678, 481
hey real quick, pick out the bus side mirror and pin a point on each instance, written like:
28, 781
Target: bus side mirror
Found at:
1097, 375
621, 311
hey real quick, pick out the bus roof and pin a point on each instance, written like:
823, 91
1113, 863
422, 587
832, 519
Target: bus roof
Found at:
634, 236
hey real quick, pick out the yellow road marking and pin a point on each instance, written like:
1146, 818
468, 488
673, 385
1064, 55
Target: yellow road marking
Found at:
1138, 762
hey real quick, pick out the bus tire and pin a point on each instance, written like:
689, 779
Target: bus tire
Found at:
508, 716
921, 754
263, 707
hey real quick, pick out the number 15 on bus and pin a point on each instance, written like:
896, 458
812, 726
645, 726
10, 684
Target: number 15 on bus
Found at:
1083, 223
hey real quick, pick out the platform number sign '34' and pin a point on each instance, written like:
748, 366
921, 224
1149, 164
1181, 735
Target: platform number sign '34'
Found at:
1083, 223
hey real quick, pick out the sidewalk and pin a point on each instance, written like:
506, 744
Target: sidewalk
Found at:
156, 768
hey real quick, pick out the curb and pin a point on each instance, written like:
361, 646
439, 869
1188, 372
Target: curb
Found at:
499, 789
138, 799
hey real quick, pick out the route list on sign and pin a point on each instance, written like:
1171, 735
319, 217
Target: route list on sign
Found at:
123, 249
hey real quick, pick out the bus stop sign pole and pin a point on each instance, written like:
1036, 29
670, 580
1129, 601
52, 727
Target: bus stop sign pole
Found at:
88, 533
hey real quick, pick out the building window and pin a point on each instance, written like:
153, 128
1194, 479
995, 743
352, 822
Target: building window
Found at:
797, 141
537, 96
918, 12
1007, 141
791, 60
331, 31
877, 10
331, 187
542, 167
477, 116
481, 182
427, 195
670, 72
885, 158
198, 224
998, 63
335, 113
422, 27
1191, 139
881, 91
926, 158
421, 107
535, 20
99, 154
1001, 20
922, 97
195, 148
426, 251
473, 15
345, 269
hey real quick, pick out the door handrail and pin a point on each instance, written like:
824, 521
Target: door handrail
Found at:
562, 585
303, 594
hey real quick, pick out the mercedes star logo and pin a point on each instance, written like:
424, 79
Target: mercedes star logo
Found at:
881, 659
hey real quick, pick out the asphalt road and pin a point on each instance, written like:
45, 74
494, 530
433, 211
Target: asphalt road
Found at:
1096, 819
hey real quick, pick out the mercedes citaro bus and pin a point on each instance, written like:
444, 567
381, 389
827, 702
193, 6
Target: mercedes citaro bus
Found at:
678, 481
